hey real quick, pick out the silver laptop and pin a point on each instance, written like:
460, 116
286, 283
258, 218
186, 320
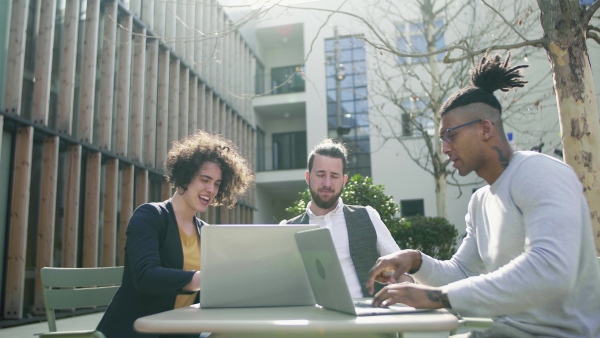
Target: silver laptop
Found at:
252, 265
327, 278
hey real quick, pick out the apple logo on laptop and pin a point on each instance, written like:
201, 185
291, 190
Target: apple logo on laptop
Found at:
320, 269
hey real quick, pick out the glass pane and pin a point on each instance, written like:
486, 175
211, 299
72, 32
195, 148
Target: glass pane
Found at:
347, 81
347, 94
362, 106
331, 95
329, 45
360, 80
346, 56
360, 93
358, 54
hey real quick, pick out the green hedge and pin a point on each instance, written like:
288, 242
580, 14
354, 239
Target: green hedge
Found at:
434, 236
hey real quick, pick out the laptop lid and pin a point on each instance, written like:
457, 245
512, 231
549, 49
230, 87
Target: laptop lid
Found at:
252, 265
327, 279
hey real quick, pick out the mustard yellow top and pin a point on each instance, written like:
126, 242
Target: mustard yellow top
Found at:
191, 261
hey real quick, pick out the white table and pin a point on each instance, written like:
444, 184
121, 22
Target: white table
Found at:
299, 321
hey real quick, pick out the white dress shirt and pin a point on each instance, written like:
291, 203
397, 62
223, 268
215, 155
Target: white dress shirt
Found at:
335, 221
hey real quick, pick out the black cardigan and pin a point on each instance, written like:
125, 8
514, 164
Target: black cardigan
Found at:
153, 275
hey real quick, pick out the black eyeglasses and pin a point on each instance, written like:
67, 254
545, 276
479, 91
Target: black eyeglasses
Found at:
447, 135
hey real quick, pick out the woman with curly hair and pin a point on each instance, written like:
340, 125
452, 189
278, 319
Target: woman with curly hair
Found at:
162, 252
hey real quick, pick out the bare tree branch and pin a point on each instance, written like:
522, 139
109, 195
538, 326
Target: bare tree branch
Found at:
593, 36
590, 12
504, 19
532, 43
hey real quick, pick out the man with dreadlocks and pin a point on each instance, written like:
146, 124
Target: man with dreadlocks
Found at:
528, 259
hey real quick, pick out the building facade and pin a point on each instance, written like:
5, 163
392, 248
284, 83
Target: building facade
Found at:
95, 91
93, 94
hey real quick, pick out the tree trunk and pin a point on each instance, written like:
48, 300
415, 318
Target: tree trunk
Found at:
575, 97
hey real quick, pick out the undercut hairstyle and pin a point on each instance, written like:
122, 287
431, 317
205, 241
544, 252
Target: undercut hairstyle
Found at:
187, 156
329, 148
490, 75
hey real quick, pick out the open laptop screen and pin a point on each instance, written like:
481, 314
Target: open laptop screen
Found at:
252, 265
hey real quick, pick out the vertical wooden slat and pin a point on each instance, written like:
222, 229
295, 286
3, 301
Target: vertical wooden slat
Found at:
162, 106
180, 30
136, 134
223, 116
213, 65
47, 211
160, 12
107, 76
15, 56
201, 106
71, 209
127, 183
184, 101
226, 58
43, 62
151, 104
147, 15
123, 83
111, 196
173, 132
165, 190
216, 116
232, 72
224, 214
198, 37
190, 22
239, 69
135, 6
193, 105
18, 222
88, 72
206, 42
170, 23
141, 187
91, 211
67, 67
218, 64
230, 118
209, 112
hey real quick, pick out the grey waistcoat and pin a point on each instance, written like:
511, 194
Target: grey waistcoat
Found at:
362, 240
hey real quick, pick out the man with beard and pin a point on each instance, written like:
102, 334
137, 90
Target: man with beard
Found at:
359, 235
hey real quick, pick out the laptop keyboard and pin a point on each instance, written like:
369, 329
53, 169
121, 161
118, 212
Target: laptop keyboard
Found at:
364, 304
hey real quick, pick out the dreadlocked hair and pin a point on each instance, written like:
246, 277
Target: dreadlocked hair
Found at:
490, 75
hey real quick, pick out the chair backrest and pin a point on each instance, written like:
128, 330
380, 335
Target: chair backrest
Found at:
66, 288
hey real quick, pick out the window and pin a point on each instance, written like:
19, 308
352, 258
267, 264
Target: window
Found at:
412, 207
353, 100
412, 39
289, 150
287, 79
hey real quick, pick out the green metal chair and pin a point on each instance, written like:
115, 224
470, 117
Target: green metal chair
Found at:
71, 288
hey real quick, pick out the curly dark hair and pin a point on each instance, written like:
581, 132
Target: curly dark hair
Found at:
187, 156
490, 75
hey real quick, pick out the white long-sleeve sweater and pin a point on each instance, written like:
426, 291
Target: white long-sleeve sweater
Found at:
528, 258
